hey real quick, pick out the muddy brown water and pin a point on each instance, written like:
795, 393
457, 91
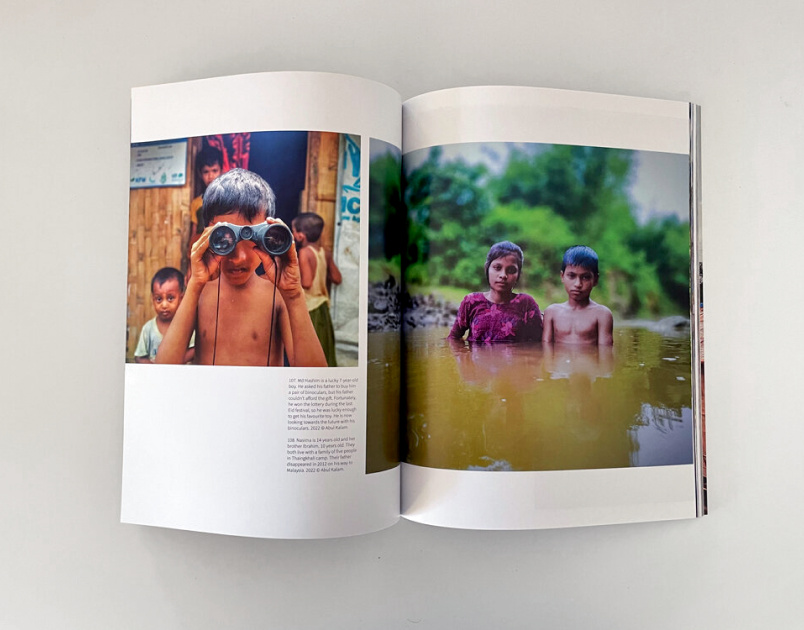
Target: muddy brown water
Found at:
533, 407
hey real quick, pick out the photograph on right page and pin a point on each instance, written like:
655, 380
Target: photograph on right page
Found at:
547, 307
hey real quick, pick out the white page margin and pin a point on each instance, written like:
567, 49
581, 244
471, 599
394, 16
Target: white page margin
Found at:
270, 101
549, 116
546, 499
216, 461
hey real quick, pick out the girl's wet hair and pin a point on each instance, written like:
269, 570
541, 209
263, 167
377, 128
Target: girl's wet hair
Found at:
581, 256
504, 248
239, 192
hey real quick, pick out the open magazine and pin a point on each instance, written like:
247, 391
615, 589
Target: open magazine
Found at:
480, 308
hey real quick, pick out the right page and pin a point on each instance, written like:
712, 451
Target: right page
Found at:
552, 364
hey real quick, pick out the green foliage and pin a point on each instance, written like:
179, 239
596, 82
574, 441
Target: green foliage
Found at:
540, 233
545, 201
666, 245
446, 204
379, 269
570, 180
387, 216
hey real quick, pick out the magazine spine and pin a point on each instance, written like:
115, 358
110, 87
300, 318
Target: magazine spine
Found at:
696, 309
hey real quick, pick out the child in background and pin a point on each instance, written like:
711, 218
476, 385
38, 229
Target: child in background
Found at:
317, 268
208, 166
167, 289
579, 320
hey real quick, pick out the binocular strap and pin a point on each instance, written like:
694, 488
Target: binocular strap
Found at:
273, 311
217, 308
273, 316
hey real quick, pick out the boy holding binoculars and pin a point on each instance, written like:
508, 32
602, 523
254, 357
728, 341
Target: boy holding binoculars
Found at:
237, 315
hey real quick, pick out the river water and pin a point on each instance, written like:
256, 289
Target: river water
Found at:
534, 407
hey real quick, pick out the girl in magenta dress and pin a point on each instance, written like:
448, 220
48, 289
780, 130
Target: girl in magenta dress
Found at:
499, 314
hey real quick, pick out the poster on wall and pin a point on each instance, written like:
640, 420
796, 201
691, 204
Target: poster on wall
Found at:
345, 297
157, 164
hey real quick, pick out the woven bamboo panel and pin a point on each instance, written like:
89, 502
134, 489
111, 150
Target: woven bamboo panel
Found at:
159, 226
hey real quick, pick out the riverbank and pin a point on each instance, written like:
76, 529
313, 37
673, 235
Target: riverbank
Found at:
388, 308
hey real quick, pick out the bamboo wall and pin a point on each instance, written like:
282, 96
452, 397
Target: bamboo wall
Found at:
159, 231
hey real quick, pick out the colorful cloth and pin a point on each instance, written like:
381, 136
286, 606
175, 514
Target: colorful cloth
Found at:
487, 322
235, 148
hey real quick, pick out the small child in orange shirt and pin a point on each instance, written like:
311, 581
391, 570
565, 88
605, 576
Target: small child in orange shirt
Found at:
208, 166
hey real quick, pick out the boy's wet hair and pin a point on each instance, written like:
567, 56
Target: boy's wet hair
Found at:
504, 248
208, 156
310, 224
239, 192
165, 274
581, 256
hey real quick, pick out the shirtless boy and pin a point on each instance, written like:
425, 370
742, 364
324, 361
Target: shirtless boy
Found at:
579, 320
238, 316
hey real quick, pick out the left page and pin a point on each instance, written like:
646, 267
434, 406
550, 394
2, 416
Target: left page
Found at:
246, 350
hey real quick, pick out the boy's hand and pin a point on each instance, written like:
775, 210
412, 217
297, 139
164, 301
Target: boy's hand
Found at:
287, 266
204, 265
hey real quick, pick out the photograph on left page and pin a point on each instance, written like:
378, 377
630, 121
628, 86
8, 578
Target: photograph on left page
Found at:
244, 250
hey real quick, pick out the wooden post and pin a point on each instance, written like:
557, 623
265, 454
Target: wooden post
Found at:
321, 181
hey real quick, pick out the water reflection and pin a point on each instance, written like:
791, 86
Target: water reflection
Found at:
529, 407
382, 417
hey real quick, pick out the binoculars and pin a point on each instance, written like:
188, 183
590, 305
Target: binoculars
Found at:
272, 238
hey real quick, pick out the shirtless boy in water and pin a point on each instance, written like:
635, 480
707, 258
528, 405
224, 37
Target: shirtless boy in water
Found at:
232, 310
579, 320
